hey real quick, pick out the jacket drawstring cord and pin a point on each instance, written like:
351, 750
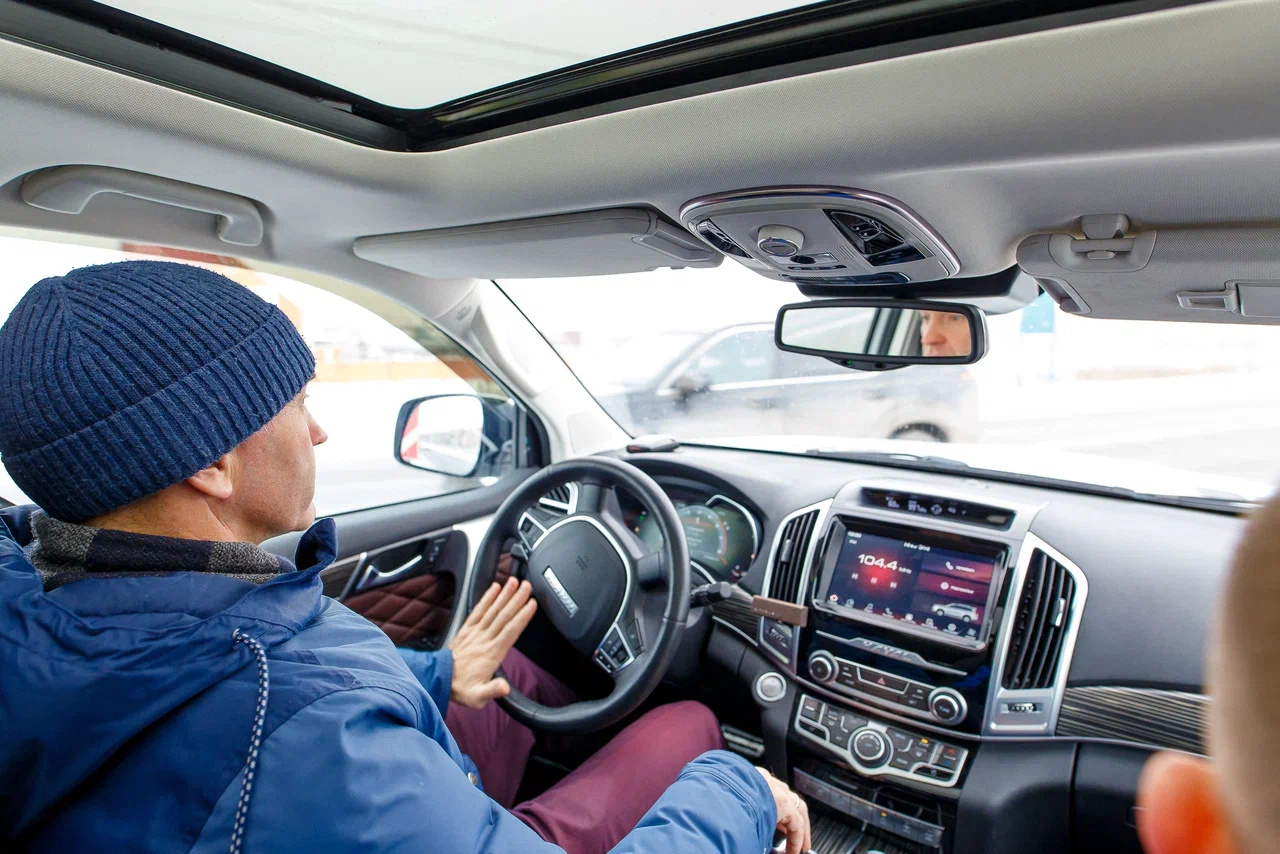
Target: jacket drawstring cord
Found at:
259, 722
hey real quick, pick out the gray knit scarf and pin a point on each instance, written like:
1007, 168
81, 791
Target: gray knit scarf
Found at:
65, 552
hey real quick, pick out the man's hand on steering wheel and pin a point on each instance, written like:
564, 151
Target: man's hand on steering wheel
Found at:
484, 640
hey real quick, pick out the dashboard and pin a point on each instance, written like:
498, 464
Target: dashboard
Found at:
954, 682
723, 535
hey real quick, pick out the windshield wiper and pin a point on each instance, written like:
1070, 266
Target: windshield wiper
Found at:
945, 465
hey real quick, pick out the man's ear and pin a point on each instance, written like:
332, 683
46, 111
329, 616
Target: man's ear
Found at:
1181, 809
214, 480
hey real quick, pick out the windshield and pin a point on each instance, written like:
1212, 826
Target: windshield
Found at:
414, 54
1185, 409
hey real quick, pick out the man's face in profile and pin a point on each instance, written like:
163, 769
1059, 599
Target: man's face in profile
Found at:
944, 334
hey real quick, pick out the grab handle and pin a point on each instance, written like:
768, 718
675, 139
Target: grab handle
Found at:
67, 189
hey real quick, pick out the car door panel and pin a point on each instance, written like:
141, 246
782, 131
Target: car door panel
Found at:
404, 565
408, 589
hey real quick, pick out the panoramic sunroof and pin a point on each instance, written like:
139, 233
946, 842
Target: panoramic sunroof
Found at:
421, 53
422, 75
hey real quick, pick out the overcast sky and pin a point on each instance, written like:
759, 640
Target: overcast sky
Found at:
419, 53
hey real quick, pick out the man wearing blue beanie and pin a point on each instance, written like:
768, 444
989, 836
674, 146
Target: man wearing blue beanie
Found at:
166, 684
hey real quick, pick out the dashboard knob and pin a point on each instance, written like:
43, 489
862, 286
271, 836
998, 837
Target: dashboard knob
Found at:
822, 666
947, 705
870, 747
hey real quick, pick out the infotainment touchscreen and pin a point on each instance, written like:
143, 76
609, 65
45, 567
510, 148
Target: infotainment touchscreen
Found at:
925, 586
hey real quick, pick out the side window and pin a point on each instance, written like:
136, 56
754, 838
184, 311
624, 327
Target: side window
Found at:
739, 357
372, 355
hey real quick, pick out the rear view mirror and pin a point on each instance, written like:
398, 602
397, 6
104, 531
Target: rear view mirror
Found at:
880, 334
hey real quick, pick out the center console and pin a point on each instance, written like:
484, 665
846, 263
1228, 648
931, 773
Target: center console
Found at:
901, 617
876, 748
910, 602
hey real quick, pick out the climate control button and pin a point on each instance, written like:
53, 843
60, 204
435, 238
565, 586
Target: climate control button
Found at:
871, 747
947, 705
822, 666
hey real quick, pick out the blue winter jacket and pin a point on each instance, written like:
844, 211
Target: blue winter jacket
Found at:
127, 712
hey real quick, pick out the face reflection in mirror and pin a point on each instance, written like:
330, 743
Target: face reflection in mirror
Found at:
944, 334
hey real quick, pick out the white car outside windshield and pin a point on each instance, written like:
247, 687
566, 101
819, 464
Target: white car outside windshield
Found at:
1181, 409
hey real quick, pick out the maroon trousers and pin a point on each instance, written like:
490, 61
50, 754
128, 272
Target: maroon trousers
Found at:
589, 811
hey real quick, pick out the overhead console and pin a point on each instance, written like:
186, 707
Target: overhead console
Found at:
822, 235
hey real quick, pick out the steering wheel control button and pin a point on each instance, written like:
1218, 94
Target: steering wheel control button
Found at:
871, 748
615, 650
603, 660
770, 687
947, 705
822, 666
810, 708
633, 637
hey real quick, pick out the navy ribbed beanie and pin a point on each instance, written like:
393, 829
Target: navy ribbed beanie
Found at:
119, 380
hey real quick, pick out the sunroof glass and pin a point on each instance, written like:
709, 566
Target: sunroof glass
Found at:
420, 53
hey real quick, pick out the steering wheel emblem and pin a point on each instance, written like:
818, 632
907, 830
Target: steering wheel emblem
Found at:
553, 581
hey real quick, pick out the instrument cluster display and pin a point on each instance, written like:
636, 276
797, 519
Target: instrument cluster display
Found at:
723, 536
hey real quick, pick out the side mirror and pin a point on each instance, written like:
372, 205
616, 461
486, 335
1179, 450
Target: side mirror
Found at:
687, 385
881, 334
455, 434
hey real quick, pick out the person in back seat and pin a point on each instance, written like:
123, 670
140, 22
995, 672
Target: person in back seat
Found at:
166, 684
1230, 805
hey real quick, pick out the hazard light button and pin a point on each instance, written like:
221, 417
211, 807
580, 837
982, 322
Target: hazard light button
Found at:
877, 679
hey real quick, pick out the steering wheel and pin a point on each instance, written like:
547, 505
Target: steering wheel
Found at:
592, 579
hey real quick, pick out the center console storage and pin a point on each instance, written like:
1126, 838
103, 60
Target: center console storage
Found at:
873, 808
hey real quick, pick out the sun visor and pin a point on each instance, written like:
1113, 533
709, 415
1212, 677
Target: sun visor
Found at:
1120, 271
593, 243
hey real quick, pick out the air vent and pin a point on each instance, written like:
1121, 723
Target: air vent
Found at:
788, 562
562, 499
1040, 624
